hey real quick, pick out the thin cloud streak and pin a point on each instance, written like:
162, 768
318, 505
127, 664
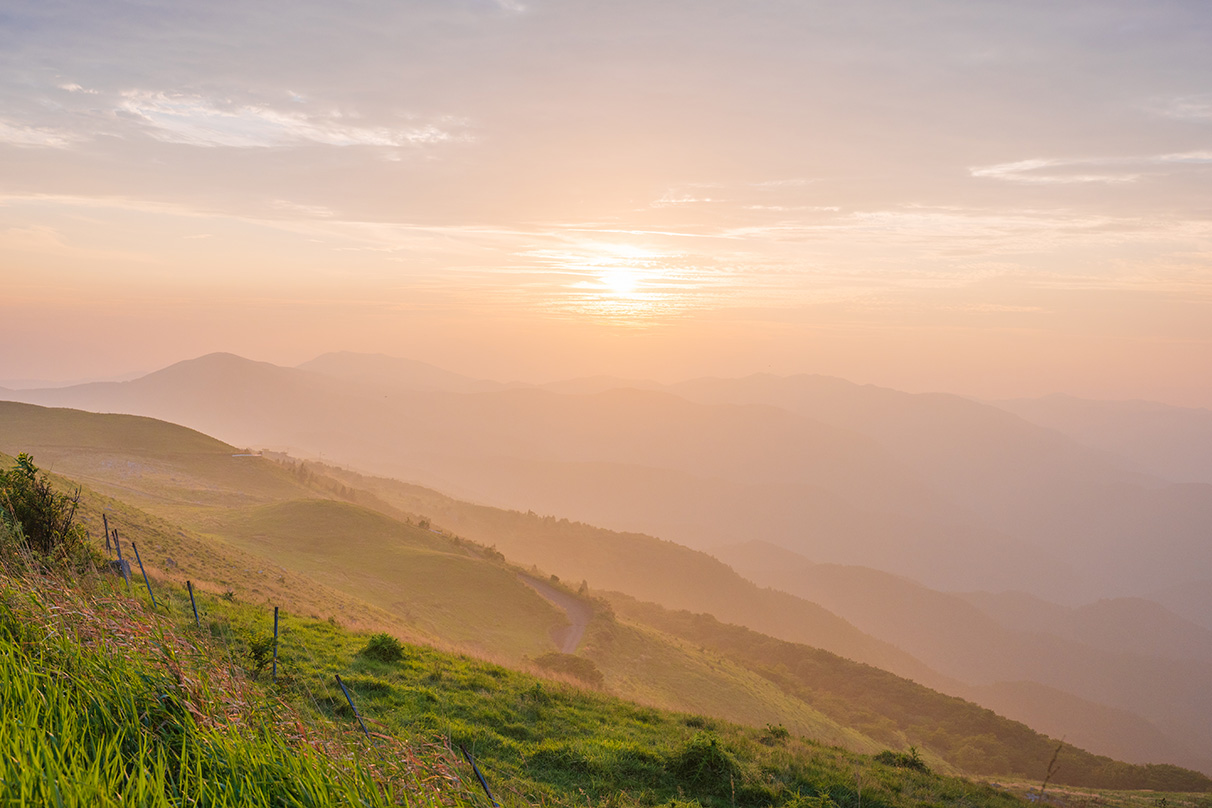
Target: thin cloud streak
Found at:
1052, 171
197, 121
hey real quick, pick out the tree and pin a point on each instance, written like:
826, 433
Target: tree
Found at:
44, 519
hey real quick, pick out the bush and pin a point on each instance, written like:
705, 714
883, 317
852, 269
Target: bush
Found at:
775, 733
383, 648
705, 767
38, 517
903, 760
260, 652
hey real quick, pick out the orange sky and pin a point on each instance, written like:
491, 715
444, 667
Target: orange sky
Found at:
998, 199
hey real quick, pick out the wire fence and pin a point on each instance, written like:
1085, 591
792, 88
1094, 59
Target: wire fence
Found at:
382, 751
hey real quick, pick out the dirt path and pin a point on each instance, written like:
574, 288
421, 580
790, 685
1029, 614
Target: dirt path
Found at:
579, 613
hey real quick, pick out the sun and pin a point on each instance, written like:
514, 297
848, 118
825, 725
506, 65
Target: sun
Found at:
622, 268
620, 281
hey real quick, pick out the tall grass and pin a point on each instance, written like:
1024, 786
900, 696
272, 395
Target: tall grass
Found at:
98, 711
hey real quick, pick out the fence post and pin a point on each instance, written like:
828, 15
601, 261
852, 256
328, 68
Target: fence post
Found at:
145, 581
190, 586
122, 565
275, 669
349, 699
105, 522
480, 777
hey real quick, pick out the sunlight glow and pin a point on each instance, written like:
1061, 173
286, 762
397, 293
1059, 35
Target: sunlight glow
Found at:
628, 284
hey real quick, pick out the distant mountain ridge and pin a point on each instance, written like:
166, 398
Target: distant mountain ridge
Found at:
1173, 443
955, 493
1134, 659
390, 371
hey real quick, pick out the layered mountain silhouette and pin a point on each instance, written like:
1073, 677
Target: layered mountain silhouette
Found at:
1122, 674
954, 493
916, 502
1173, 443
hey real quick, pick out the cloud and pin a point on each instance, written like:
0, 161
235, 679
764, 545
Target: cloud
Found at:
1192, 157
1051, 172
1192, 108
76, 88
1066, 171
197, 121
15, 134
671, 200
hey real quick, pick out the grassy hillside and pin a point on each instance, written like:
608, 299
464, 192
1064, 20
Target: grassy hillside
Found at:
122, 704
326, 548
107, 704
446, 587
333, 559
902, 713
1128, 656
648, 568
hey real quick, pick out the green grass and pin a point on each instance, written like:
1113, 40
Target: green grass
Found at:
290, 535
901, 713
444, 587
547, 742
104, 706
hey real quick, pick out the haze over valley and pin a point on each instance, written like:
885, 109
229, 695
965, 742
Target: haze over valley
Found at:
702, 405
951, 541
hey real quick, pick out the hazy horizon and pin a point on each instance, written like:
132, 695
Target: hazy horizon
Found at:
23, 385
994, 199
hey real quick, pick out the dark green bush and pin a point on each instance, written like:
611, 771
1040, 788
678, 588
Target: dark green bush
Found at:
774, 733
903, 760
39, 517
260, 652
383, 648
703, 766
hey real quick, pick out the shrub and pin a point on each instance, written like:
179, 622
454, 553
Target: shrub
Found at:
260, 652
903, 760
705, 767
774, 734
383, 648
40, 518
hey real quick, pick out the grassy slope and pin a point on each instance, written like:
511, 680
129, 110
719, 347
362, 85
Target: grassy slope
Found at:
893, 709
543, 742
648, 568
326, 558
105, 704
251, 503
283, 529
446, 588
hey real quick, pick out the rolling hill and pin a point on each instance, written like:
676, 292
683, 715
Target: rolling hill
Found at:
1145, 666
280, 532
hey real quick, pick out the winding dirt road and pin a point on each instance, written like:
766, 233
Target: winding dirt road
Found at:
579, 613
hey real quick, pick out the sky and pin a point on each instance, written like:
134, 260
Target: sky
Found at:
998, 199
